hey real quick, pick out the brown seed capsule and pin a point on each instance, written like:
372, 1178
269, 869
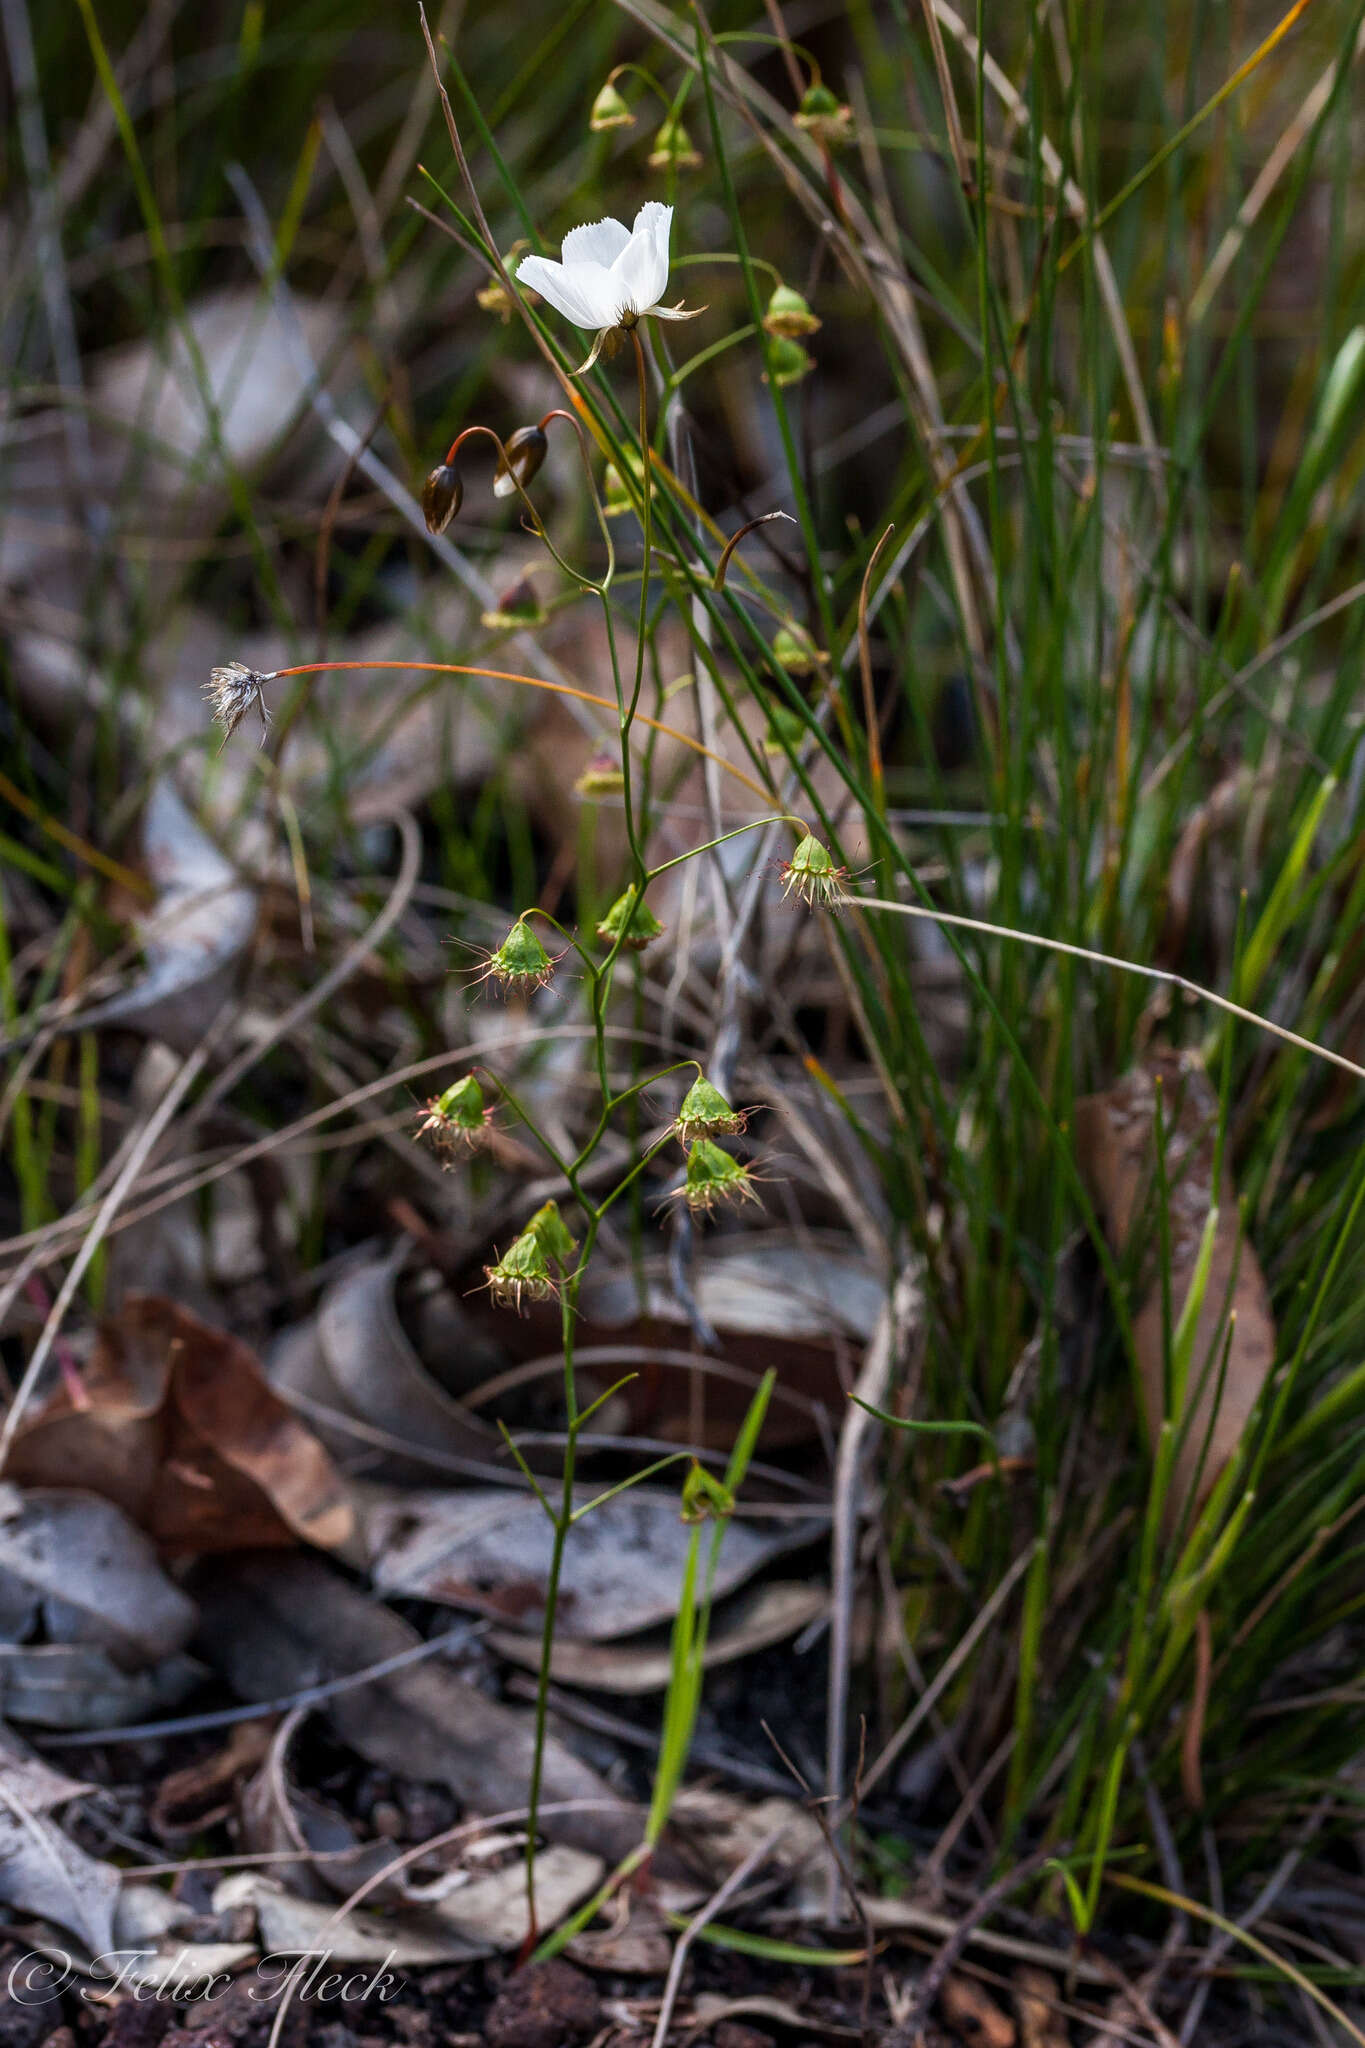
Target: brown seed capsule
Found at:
525, 453
442, 496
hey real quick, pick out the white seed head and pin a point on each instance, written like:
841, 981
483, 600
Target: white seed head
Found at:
231, 691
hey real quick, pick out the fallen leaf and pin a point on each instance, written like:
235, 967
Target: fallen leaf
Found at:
200, 1793
277, 1817
489, 1549
722, 1830
1041, 2025
75, 1686
352, 1360
635, 1944
754, 1621
201, 925
1115, 1137
709, 2008
42, 1871
89, 1576
973, 2014
485, 1916
274, 1622
183, 1431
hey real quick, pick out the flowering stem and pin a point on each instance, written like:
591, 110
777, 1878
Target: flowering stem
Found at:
568, 1309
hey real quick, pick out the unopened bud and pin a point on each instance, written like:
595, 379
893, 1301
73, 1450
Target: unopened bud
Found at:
457, 1119
824, 117
794, 652
523, 454
516, 609
785, 731
520, 963
673, 149
788, 315
494, 297
603, 776
706, 1114
788, 363
521, 1274
713, 1177
812, 874
609, 110
442, 496
632, 922
552, 1234
617, 497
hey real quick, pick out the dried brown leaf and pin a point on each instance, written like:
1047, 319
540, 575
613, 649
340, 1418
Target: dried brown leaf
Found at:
1116, 1149
183, 1432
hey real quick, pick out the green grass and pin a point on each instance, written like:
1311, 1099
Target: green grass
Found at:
1124, 506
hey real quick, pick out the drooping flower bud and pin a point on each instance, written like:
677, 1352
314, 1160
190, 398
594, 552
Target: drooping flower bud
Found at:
603, 776
516, 609
456, 1120
789, 363
633, 923
714, 1176
673, 149
785, 731
552, 1234
609, 110
442, 496
794, 651
788, 315
521, 1274
231, 691
706, 1114
824, 117
812, 874
520, 963
525, 451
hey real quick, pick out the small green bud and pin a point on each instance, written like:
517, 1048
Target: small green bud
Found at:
521, 1274
794, 652
494, 297
442, 496
706, 1114
617, 499
552, 1234
786, 731
812, 873
523, 453
824, 117
714, 1176
789, 363
515, 610
673, 149
520, 963
457, 1119
633, 923
788, 315
603, 776
609, 110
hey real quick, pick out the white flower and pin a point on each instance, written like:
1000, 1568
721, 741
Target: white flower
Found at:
610, 276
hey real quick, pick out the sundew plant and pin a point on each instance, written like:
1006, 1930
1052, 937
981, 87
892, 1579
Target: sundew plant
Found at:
986, 668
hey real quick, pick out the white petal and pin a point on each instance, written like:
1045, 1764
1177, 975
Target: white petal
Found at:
641, 270
657, 218
583, 292
600, 242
